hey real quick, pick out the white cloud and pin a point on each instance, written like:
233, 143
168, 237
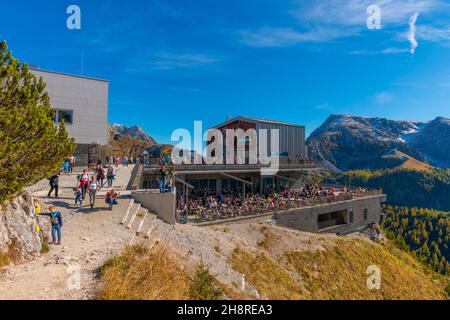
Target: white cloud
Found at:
434, 34
167, 61
412, 32
325, 21
353, 12
391, 50
383, 97
280, 37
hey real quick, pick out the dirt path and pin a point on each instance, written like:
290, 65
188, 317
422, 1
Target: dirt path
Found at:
89, 237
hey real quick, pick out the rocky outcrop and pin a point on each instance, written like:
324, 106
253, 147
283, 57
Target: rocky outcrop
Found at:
18, 228
433, 141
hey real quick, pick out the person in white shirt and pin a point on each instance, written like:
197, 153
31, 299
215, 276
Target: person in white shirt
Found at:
93, 188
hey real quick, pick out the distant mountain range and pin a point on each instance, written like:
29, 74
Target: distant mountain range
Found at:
350, 142
119, 130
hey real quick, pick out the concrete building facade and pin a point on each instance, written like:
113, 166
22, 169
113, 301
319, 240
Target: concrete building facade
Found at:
82, 103
340, 217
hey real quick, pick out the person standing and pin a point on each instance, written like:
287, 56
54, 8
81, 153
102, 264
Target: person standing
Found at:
78, 196
65, 166
56, 222
93, 188
84, 182
162, 178
54, 181
170, 177
71, 163
110, 176
100, 175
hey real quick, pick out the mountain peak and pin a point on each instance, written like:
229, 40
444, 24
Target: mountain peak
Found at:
133, 131
443, 120
355, 142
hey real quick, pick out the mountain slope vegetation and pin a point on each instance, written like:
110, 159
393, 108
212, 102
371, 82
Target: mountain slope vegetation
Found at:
406, 187
424, 232
314, 267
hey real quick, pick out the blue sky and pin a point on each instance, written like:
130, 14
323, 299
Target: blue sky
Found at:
173, 62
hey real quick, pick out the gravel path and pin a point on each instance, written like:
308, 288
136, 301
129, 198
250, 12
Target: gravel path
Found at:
89, 237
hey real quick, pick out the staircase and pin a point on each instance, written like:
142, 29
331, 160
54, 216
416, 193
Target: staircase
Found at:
140, 220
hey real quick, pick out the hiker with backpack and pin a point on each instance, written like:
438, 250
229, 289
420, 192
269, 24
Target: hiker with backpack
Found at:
100, 175
56, 222
54, 182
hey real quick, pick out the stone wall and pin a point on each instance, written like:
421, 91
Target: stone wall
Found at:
163, 204
18, 224
306, 219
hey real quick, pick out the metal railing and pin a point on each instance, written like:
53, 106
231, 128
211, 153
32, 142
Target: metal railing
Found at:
203, 214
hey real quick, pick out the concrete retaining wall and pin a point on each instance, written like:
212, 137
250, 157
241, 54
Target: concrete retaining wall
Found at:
163, 204
306, 219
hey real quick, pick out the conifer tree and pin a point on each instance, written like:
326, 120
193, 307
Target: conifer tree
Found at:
32, 147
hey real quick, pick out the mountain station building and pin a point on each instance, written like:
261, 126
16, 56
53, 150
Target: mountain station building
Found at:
344, 214
82, 103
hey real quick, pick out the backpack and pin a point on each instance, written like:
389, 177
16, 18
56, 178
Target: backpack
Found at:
54, 218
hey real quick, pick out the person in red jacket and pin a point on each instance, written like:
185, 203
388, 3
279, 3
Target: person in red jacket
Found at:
84, 182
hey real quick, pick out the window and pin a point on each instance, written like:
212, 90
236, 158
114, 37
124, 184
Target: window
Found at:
64, 115
366, 213
350, 217
332, 219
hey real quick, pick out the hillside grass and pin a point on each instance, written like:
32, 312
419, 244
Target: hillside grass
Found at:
269, 278
339, 272
140, 273
412, 163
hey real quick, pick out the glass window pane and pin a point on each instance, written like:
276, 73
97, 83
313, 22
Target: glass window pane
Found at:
66, 116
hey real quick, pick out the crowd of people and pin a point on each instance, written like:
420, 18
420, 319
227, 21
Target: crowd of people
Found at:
217, 207
113, 160
86, 186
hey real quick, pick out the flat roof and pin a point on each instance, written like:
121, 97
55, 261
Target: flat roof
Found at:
253, 119
67, 74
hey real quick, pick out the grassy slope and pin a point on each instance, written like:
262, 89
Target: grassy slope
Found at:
142, 274
339, 272
336, 272
412, 163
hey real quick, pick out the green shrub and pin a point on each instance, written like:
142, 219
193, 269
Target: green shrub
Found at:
44, 247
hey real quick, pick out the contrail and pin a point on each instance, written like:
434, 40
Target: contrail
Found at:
412, 32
